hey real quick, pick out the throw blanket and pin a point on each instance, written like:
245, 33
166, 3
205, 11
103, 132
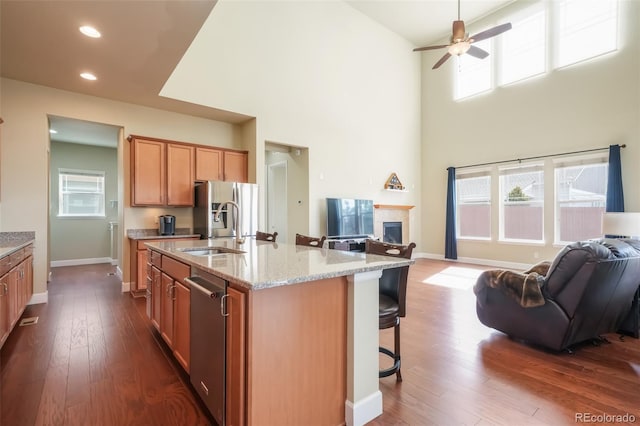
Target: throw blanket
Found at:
524, 287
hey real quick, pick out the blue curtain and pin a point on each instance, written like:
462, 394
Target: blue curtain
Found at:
450, 242
615, 196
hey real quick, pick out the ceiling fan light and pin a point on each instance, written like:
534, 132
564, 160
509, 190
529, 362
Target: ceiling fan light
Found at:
459, 48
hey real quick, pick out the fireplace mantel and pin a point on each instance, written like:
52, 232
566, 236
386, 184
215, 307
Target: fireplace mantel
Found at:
392, 206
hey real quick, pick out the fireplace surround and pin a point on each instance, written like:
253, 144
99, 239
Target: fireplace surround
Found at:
391, 213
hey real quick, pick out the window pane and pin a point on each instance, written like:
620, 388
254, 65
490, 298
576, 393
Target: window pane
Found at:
523, 49
522, 202
81, 193
580, 201
474, 207
587, 28
473, 75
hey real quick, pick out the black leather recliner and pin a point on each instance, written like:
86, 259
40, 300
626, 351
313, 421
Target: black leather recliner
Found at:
587, 291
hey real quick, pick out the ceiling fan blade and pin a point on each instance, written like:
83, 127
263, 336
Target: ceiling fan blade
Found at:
442, 60
417, 49
477, 52
491, 32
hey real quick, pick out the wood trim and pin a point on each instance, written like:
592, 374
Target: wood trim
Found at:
393, 206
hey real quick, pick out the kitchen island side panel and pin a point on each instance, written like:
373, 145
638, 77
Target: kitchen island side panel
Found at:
296, 354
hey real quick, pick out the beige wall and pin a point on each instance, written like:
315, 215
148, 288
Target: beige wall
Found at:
25, 147
318, 75
82, 238
590, 105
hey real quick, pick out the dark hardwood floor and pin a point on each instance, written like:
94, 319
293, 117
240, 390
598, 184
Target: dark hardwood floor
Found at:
92, 360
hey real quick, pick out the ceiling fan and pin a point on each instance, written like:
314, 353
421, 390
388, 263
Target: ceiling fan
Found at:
461, 43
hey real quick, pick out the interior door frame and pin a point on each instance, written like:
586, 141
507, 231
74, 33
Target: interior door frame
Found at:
275, 191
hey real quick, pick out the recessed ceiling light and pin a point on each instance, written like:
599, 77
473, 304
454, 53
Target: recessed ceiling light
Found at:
88, 76
90, 31
52, 131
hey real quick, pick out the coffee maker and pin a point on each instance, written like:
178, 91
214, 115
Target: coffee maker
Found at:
167, 225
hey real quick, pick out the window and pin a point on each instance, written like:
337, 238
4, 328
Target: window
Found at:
473, 75
582, 29
522, 203
80, 193
586, 29
473, 213
523, 48
580, 194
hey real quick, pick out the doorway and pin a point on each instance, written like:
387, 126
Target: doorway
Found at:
84, 194
287, 190
277, 199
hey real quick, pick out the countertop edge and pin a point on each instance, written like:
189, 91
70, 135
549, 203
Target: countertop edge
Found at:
7, 251
398, 262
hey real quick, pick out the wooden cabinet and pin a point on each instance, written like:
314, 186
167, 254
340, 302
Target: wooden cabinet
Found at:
182, 324
138, 262
180, 175
219, 164
235, 380
235, 166
166, 309
148, 172
209, 164
171, 305
16, 288
156, 296
162, 173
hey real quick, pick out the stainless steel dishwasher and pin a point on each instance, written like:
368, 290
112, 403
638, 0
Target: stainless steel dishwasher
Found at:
208, 336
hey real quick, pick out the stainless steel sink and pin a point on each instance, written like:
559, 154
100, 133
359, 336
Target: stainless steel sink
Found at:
210, 251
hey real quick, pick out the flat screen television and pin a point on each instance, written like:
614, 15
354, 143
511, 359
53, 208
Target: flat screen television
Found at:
349, 218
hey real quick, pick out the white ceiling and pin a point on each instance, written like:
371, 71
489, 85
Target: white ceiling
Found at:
143, 41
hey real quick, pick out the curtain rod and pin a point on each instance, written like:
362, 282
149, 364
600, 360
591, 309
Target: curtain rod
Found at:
535, 158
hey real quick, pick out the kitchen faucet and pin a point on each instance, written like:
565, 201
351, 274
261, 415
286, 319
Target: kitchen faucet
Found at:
238, 227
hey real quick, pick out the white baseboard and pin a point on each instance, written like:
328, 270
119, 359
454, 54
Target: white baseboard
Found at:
119, 272
114, 262
475, 261
74, 262
38, 298
364, 410
126, 287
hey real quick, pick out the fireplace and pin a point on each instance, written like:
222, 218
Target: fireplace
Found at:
391, 222
392, 232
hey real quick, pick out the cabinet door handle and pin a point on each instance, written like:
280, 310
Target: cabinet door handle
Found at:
5, 291
223, 305
173, 292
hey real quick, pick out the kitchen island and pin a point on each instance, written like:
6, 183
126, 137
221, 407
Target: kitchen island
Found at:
302, 330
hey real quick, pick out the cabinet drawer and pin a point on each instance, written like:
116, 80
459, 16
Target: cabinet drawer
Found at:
176, 270
156, 259
16, 257
28, 251
5, 265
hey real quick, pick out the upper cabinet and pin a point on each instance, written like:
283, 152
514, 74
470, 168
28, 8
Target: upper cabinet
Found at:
148, 172
221, 164
209, 164
235, 166
163, 172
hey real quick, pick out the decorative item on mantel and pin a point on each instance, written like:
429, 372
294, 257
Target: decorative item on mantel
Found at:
393, 183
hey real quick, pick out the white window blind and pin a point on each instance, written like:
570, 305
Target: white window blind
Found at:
81, 193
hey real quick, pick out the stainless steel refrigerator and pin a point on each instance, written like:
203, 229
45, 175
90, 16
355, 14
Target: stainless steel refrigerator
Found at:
209, 196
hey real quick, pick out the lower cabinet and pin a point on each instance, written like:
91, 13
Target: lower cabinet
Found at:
16, 288
170, 306
182, 324
235, 357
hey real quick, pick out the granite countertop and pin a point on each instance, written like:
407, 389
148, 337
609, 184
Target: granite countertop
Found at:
150, 234
265, 264
13, 241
